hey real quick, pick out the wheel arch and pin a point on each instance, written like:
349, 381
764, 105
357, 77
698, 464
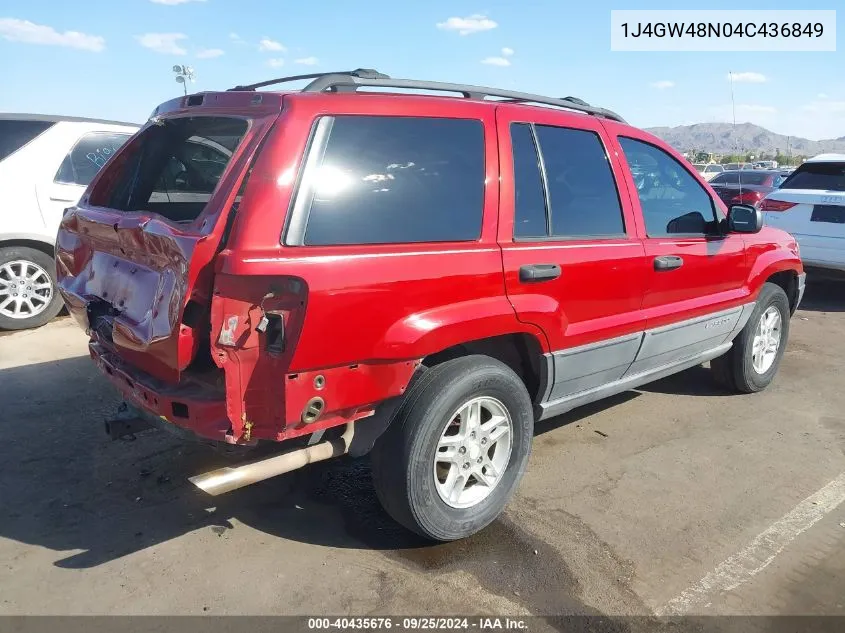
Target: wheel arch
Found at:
788, 281
521, 351
36, 244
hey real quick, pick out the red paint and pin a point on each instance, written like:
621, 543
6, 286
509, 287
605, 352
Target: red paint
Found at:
358, 319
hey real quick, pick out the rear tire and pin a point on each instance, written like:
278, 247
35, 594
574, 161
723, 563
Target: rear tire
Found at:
446, 466
751, 364
35, 301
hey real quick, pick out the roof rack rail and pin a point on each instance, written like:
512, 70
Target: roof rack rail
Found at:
350, 81
340, 82
363, 73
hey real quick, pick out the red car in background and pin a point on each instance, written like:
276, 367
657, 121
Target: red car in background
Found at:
746, 186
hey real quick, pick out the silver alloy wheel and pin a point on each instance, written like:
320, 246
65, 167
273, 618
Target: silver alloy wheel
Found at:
767, 336
25, 289
473, 452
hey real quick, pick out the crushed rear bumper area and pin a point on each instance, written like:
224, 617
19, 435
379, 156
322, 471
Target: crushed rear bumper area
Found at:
193, 407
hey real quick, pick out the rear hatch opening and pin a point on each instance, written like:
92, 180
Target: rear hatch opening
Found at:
172, 168
135, 256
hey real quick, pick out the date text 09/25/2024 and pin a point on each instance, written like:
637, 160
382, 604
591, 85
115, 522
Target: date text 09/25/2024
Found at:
419, 623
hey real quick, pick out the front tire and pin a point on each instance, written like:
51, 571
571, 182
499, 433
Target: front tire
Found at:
28, 291
751, 364
456, 449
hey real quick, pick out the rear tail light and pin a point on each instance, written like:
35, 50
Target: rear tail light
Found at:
748, 197
776, 205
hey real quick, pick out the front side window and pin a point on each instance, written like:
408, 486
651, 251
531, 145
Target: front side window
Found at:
672, 201
383, 180
88, 156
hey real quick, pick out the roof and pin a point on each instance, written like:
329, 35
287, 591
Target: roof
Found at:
752, 171
56, 118
827, 158
350, 81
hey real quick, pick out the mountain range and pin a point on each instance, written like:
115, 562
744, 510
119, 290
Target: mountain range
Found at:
723, 138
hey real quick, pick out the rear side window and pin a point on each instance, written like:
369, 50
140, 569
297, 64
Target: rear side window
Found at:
16, 134
823, 176
391, 180
172, 168
88, 156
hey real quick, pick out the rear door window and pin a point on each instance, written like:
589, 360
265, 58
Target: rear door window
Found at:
88, 156
530, 203
563, 183
173, 167
379, 180
583, 199
822, 176
14, 134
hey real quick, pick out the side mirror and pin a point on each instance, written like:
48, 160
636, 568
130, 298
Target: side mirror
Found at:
743, 218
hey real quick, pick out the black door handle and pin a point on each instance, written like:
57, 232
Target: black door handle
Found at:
668, 262
531, 273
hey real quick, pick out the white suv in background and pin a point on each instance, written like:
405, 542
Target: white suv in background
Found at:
46, 162
810, 204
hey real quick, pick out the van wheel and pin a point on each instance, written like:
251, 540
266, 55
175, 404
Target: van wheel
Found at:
28, 295
751, 364
456, 449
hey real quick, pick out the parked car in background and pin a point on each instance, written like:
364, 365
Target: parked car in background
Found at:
766, 164
810, 204
709, 170
419, 277
745, 186
45, 164
738, 166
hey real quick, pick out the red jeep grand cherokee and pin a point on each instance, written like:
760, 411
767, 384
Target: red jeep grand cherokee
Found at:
420, 277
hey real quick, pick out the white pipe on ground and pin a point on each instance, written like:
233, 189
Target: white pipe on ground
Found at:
222, 480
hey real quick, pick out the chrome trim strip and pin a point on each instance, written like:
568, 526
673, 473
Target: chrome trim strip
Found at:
659, 352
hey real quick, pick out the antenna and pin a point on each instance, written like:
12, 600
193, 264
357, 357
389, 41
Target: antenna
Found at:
733, 110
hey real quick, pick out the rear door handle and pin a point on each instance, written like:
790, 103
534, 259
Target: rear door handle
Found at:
532, 273
668, 262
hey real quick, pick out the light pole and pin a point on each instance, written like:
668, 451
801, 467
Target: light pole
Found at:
184, 74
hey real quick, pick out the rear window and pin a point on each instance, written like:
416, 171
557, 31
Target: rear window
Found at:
16, 134
380, 180
726, 178
823, 176
88, 157
172, 168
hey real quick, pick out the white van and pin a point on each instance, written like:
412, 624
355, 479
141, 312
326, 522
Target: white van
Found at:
46, 162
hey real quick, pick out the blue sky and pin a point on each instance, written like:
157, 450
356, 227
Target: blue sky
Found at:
113, 58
